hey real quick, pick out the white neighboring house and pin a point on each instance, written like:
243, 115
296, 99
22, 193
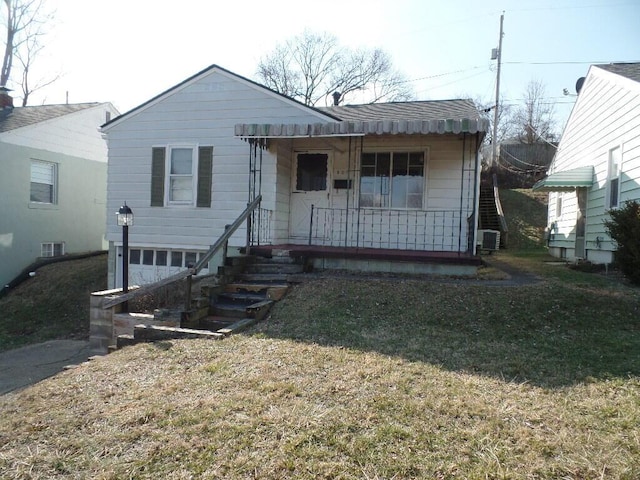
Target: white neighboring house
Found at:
402, 176
53, 183
597, 165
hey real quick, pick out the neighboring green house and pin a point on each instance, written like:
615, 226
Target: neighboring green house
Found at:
53, 182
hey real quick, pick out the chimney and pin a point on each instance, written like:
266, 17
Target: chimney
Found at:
336, 98
6, 101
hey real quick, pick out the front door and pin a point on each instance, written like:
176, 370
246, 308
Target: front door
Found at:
310, 186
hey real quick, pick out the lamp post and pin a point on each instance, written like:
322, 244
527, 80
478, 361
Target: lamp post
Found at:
125, 219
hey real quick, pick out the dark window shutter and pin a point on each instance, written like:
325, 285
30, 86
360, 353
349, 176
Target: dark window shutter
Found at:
205, 167
157, 176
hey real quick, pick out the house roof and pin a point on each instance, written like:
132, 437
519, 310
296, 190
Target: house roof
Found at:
18, 117
422, 117
422, 110
566, 180
629, 70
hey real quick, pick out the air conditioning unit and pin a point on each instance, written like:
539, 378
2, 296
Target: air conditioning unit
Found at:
488, 239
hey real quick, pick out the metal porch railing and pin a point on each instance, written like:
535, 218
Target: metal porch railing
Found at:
428, 230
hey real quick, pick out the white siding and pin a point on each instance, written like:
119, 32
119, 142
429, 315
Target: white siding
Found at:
202, 111
76, 134
606, 115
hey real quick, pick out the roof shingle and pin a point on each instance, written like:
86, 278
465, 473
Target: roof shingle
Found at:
629, 70
18, 117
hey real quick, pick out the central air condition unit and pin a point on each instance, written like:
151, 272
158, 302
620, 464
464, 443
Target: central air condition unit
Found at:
489, 239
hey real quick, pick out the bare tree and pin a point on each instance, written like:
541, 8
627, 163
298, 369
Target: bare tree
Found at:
25, 22
311, 67
534, 120
505, 128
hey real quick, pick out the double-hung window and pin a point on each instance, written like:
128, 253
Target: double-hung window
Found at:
613, 178
44, 179
392, 180
180, 172
181, 175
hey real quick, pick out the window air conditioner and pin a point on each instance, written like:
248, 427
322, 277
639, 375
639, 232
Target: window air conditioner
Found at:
489, 239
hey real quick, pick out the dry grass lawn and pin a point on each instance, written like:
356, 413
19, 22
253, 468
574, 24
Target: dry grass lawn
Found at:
394, 378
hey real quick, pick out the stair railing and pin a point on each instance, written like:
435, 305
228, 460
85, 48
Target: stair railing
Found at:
503, 221
221, 243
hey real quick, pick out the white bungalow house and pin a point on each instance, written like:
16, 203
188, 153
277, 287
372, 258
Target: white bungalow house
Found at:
53, 182
379, 182
597, 165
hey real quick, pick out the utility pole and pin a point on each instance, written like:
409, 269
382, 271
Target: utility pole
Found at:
497, 55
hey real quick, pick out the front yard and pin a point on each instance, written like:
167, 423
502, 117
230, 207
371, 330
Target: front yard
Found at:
384, 378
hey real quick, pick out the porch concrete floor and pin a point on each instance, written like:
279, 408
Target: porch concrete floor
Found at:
376, 254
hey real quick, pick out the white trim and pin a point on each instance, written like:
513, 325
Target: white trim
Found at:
392, 151
195, 148
610, 177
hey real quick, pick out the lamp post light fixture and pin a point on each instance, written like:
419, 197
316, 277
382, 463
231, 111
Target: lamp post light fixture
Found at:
125, 219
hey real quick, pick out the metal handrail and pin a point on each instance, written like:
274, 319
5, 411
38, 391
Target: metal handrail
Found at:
189, 272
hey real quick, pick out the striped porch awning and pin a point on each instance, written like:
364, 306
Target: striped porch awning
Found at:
567, 180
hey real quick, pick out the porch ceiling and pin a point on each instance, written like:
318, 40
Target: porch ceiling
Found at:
361, 128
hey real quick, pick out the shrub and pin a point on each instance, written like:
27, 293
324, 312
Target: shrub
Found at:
624, 229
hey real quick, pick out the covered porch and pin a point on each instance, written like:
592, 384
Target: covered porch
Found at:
371, 189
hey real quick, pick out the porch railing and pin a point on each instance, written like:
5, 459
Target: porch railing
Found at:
429, 230
262, 226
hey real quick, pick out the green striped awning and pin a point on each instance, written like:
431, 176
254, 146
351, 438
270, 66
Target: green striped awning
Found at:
566, 180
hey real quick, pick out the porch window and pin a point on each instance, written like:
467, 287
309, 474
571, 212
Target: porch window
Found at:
613, 185
392, 180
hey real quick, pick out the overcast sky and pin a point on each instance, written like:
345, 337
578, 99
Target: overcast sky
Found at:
127, 51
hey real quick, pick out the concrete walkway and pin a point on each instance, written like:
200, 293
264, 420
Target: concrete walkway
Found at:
28, 365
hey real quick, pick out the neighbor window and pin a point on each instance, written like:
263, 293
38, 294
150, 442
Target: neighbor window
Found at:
43, 182
181, 175
613, 194
392, 180
558, 205
52, 249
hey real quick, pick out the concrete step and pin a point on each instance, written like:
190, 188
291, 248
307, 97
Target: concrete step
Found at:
274, 268
272, 291
151, 333
242, 297
279, 278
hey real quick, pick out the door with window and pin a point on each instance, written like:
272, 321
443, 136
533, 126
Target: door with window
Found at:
310, 186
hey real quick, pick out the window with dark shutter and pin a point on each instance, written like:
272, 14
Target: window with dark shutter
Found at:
205, 166
157, 176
